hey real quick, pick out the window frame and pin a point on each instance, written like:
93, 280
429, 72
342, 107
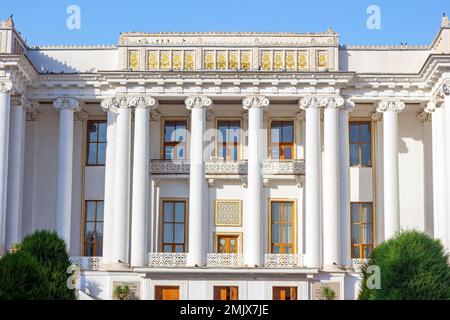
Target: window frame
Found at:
161, 242
238, 235
360, 244
371, 130
158, 291
85, 221
238, 144
163, 138
282, 145
97, 142
294, 225
293, 291
230, 288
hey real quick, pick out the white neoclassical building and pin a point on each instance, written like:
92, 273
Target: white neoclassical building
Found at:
223, 165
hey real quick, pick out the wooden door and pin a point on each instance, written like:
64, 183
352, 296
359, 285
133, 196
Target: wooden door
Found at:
284, 293
167, 293
227, 244
226, 293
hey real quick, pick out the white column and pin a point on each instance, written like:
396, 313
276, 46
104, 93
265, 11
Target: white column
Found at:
446, 95
122, 182
141, 179
6, 87
197, 186
253, 219
330, 182
66, 107
344, 183
439, 167
15, 171
312, 181
390, 108
109, 106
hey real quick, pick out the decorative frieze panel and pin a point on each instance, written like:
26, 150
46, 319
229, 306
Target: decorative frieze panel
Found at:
169, 167
284, 60
167, 259
281, 167
87, 263
228, 213
283, 260
225, 260
170, 60
227, 59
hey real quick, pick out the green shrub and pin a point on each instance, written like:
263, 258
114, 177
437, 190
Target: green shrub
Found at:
22, 278
50, 251
413, 266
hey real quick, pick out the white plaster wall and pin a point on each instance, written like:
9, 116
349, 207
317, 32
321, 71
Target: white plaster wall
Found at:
411, 170
74, 60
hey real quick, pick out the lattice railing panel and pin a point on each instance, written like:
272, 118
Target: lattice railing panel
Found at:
224, 260
164, 259
284, 260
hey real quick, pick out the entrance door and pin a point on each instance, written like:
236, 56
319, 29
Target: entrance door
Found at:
167, 293
227, 244
284, 293
226, 293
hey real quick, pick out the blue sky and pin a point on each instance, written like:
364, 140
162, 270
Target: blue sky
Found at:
44, 21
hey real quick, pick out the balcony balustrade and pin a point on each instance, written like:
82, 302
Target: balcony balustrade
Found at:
358, 264
226, 260
167, 259
87, 263
284, 260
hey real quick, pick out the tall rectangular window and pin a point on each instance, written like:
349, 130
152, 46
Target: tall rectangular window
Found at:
175, 133
226, 293
282, 140
96, 143
93, 228
360, 144
284, 293
174, 226
282, 227
228, 139
362, 230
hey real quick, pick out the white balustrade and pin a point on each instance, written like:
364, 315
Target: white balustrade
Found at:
87, 263
227, 260
167, 259
284, 260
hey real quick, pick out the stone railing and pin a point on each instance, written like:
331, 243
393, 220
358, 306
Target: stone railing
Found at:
284, 260
226, 260
358, 264
294, 167
87, 263
220, 166
164, 259
170, 167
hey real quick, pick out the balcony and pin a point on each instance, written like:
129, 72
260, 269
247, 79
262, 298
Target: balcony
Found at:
87, 263
221, 167
168, 260
225, 260
284, 260
358, 264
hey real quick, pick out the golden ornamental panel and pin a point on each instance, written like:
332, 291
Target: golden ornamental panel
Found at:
152, 60
221, 60
177, 60
278, 63
322, 59
233, 60
164, 59
189, 60
246, 60
208, 63
291, 60
228, 213
303, 60
266, 60
133, 60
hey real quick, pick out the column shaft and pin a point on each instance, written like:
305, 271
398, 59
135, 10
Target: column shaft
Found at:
446, 231
122, 185
15, 176
5, 88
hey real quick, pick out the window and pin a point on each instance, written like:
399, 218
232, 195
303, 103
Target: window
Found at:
282, 140
228, 139
175, 140
93, 229
226, 293
96, 143
282, 227
362, 230
360, 144
174, 226
227, 243
284, 293
167, 293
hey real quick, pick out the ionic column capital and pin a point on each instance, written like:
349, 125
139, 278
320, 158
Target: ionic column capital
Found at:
198, 102
67, 104
348, 106
6, 86
445, 90
255, 101
332, 102
390, 105
145, 102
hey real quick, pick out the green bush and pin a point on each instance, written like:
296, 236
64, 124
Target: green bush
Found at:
413, 266
22, 278
50, 251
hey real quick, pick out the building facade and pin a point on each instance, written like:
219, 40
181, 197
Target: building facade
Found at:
223, 165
